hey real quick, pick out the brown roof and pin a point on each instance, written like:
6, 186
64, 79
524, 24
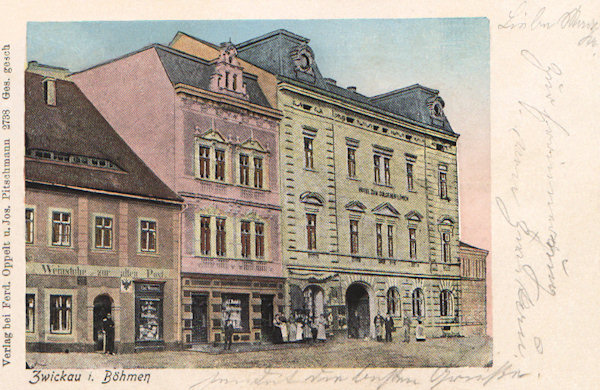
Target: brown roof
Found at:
74, 127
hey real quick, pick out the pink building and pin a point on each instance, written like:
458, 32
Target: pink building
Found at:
206, 129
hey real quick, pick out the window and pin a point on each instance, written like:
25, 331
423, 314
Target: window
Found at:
234, 82
379, 240
376, 168
61, 228
29, 226
30, 313
417, 303
353, 236
386, 171
412, 243
205, 236
443, 185
259, 239
351, 162
258, 172
103, 236
204, 162
244, 170
220, 165
60, 313
311, 231
221, 243
308, 152
236, 308
446, 247
446, 308
245, 239
393, 302
148, 236
390, 241
409, 177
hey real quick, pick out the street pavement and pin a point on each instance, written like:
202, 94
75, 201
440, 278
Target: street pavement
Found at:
473, 351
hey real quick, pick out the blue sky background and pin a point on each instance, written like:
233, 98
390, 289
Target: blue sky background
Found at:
375, 55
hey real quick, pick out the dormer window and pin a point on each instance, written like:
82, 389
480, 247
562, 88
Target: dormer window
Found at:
228, 74
50, 91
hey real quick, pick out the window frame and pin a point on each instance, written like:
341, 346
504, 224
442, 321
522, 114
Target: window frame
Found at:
412, 243
446, 303
409, 176
446, 247
311, 231
30, 311
377, 168
221, 236
259, 240
418, 302
68, 314
244, 171
68, 224
258, 171
443, 181
351, 162
354, 236
220, 171
151, 233
379, 239
393, 302
245, 239
308, 152
204, 161
29, 225
103, 229
390, 236
205, 235
387, 176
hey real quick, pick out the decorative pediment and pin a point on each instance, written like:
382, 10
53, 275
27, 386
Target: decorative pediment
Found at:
356, 206
254, 145
213, 135
386, 210
414, 216
312, 198
446, 220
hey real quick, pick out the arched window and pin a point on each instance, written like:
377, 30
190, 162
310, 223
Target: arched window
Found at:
418, 303
446, 303
393, 302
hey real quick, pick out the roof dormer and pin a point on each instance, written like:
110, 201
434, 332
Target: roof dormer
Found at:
228, 76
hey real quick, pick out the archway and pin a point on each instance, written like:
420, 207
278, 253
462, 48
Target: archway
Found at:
313, 301
357, 301
102, 307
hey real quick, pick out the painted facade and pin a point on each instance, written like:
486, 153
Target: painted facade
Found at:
207, 129
473, 271
102, 231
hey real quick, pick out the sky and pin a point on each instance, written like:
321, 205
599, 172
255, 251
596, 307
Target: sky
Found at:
375, 55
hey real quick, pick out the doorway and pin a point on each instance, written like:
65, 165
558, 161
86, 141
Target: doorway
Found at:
313, 302
357, 301
266, 310
199, 318
102, 307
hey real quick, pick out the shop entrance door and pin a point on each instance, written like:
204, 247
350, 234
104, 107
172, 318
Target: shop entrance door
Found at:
199, 318
102, 307
266, 309
357, 300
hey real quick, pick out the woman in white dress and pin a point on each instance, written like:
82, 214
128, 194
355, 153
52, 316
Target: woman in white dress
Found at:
292, 327
299, 329
321, 335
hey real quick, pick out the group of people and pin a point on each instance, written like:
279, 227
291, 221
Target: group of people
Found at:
299, 328
384, 327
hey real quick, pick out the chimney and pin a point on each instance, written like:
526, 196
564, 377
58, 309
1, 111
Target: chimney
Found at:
330, 81
353, 89
50, 91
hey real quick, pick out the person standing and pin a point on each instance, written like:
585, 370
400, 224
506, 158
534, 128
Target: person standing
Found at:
292, 328
389, 327
321, 335
108, 325
283, 326
228, 333
299, 328
277, 339
378, 321
406, 328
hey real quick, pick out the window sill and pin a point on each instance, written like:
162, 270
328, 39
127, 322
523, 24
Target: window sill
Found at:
383, 185
149, 254
311, 170
252, 188
352, 178
59, 247
103, 250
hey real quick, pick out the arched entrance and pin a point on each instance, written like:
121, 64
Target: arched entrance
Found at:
313, 301
357, 301
102, 307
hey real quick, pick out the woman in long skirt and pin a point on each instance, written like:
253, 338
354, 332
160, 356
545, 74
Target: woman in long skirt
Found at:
321, 336
299, 329
292, 327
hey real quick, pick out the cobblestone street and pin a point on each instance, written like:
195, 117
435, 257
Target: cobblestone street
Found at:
343, 353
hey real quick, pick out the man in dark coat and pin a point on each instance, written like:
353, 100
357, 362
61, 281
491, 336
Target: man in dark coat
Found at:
108, 325
389, 327
228, 333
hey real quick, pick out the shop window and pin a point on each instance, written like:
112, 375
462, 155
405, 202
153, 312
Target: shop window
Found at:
308, 152
311, 231
30, 313
29, 225
418, 303
446, 303
390, 234
235, 308
61, 314
244, 170
61, 228
351, 162
148, 236
412, 243
204, 168
245, 239
393, 302
379, 240
103, 233
205, 236
258, 172
220, 165
259, 238
221, 235
148, 312
353, 236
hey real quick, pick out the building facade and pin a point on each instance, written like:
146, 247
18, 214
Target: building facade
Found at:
473, 271
369, 193
102, 231
205, 127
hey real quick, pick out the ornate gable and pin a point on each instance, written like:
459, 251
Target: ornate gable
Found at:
356, 206
413, 216
213, 135
228, 76
254, 145
312, 198
386, 210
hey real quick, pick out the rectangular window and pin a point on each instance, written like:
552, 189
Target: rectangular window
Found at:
246, 239
443, 185
236, 308
446, 247
204, 162
258, 172
221, 243
379, 240
308, 152
351, 162
390, 241
205, 236
220, 165
103, 233
148, 313
60, 313
412, 243
259, 238
386, 171
376, 168
353, 236
61, 228
30, 313
148, 236
311, 231
244, 170
29, 226
409, 176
